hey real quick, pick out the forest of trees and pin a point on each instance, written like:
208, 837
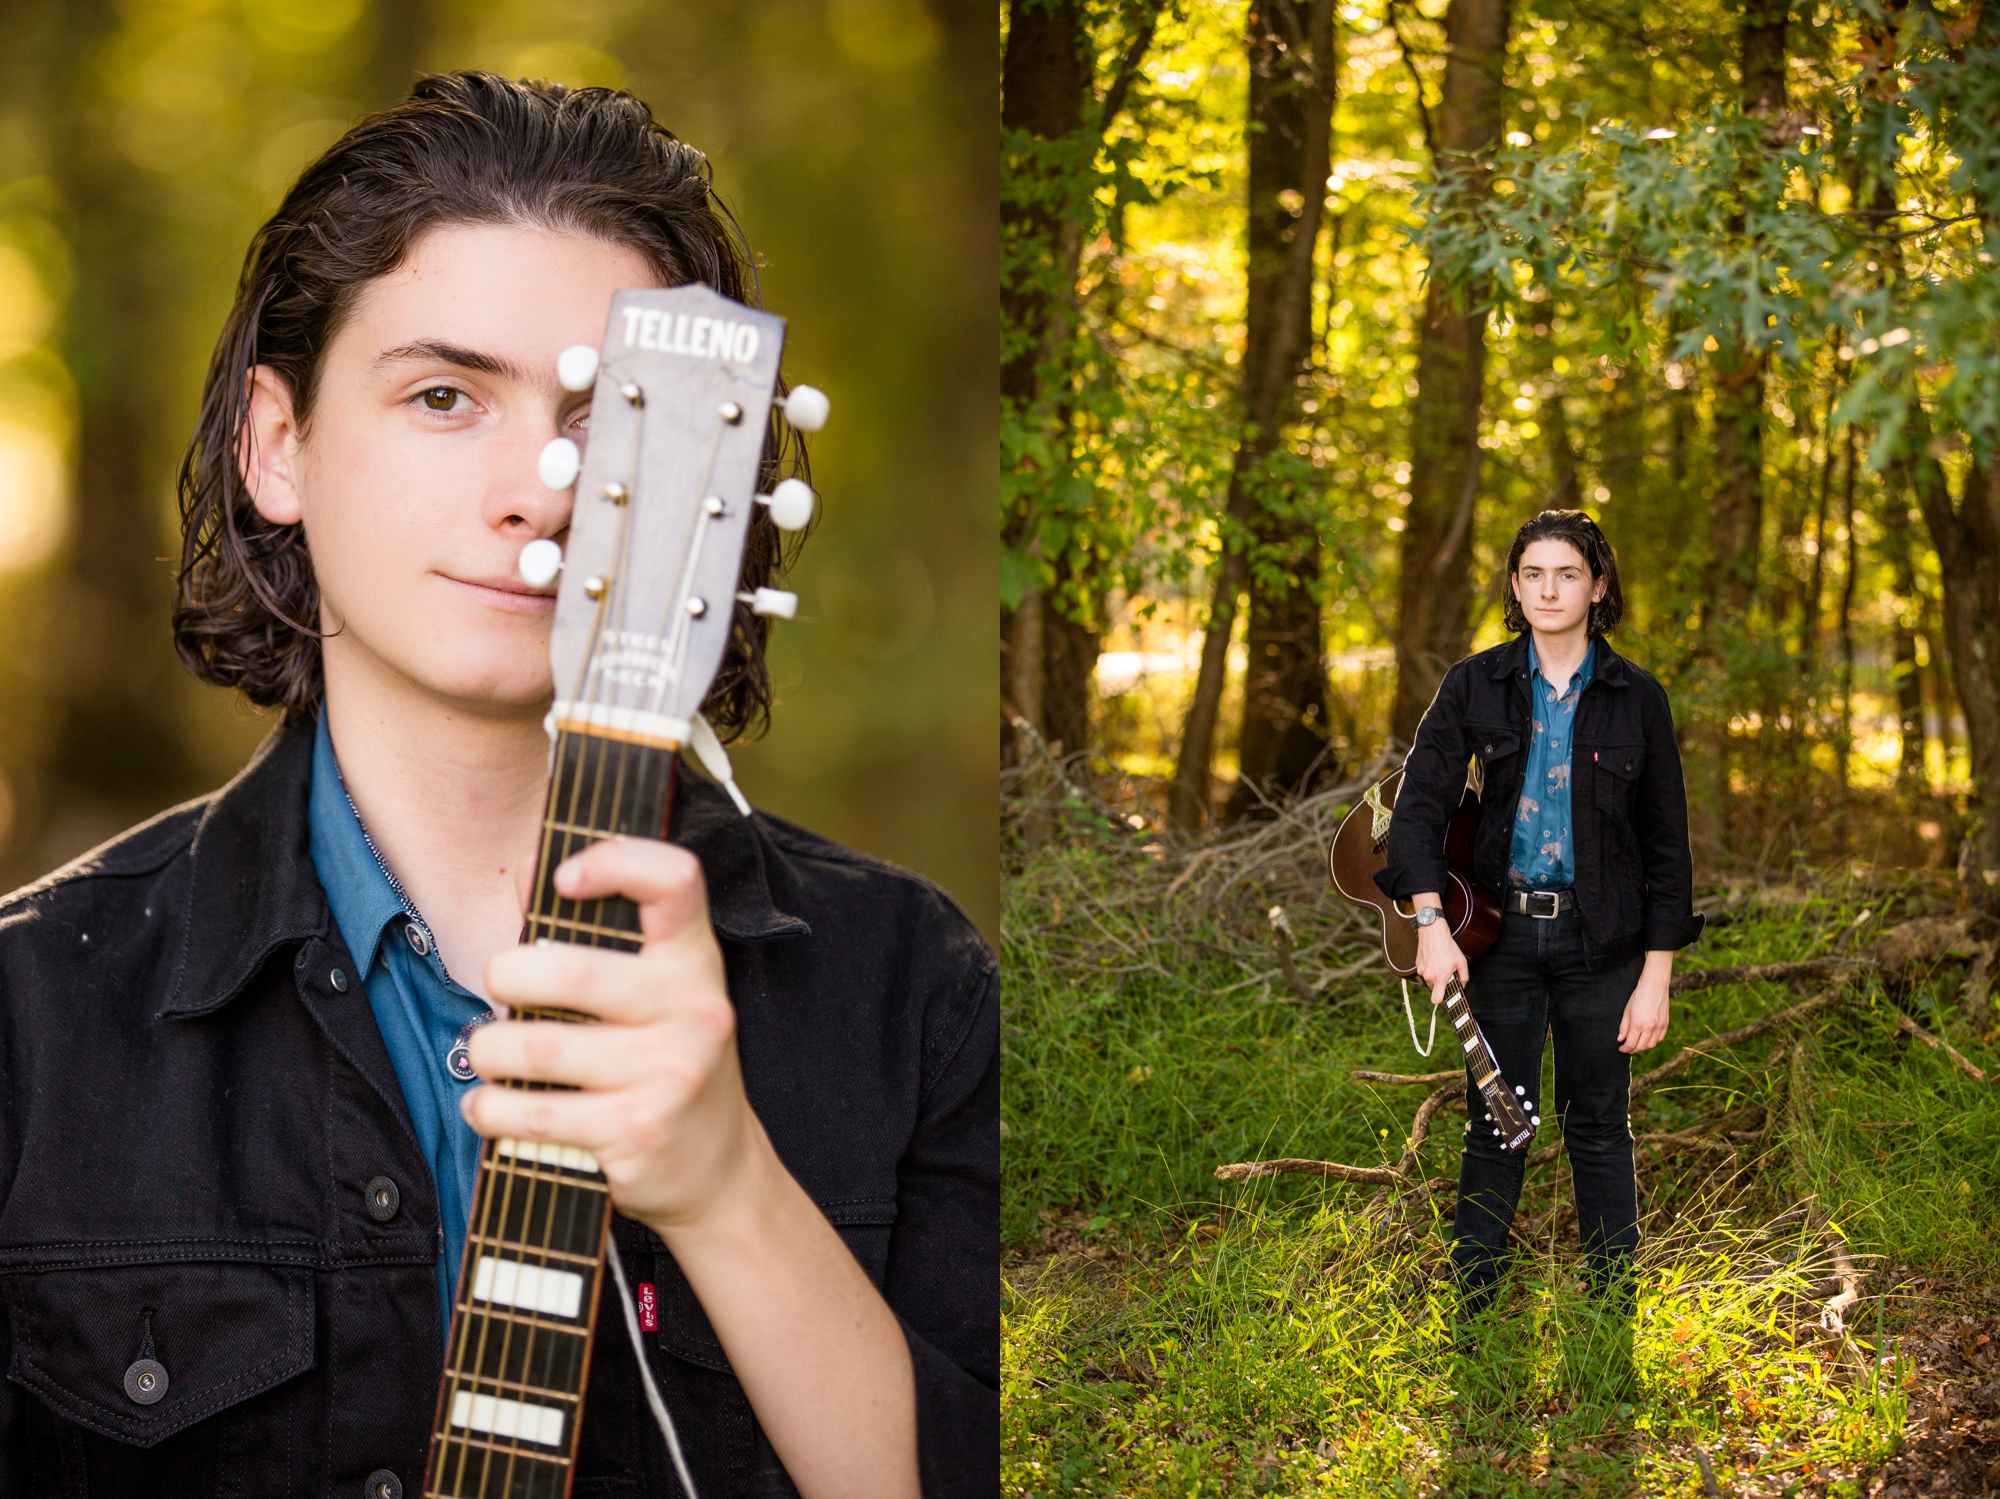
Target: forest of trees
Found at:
1307, 305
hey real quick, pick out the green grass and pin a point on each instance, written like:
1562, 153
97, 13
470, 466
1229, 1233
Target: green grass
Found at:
1169, 1335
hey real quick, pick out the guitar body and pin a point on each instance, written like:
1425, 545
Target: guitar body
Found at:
1359, 850
1358, 853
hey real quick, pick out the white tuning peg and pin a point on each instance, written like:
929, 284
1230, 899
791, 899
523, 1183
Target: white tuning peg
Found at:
806, 408
539, 563
791, 504
773, 601
559, 463
576, 367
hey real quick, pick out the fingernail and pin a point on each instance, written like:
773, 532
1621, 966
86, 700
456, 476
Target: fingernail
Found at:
566, 875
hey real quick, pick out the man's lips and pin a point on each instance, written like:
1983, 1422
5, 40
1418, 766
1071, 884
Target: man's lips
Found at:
507, 593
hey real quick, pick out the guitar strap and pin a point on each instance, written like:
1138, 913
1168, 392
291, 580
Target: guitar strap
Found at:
1422, 1051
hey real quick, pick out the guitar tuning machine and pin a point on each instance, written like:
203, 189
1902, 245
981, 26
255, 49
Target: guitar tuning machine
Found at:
806, 407
791, 503
771, 601
560, 462
539, 563
576, 367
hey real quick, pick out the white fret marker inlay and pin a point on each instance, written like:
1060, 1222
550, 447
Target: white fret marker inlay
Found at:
532, 1288
508, 1418
548, 1155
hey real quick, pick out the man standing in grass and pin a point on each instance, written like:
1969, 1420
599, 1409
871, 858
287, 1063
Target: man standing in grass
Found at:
1583, 831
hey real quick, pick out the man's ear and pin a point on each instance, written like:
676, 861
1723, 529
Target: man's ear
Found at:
268, 451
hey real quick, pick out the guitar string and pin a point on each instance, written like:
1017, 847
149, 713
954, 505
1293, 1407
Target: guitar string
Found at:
572, 834
684, 626
457, 1374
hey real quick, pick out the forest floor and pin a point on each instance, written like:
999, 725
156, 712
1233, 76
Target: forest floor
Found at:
1819, 1309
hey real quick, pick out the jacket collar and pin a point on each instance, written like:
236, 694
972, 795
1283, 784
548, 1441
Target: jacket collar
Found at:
1511, 660
253, 888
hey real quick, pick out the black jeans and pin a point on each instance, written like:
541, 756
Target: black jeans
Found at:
1530, 984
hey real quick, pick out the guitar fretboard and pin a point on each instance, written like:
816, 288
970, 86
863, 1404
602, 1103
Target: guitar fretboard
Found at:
1501, 1103
526, 1310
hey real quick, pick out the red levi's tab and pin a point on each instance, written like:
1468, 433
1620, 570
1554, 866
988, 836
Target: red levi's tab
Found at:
649, 1308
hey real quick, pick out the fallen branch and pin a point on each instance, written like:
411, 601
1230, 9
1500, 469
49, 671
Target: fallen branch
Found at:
1688, 1055
1281, 937
1250, 1171
1362, 1075
1938, 1043
1759, 973
1832, 1317
1397, 1175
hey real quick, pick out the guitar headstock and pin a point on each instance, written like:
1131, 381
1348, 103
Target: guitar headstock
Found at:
684, 388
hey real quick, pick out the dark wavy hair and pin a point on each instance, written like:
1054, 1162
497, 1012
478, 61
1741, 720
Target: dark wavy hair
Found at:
1581, 532
464, 148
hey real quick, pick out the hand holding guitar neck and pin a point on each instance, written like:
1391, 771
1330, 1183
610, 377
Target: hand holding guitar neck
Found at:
1439, 957
1437, 951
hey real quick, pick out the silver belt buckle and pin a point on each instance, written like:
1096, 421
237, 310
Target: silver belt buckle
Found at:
1553, 897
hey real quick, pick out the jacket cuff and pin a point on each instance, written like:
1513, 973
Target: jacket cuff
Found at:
958, 1427
1413, 877
1671, 933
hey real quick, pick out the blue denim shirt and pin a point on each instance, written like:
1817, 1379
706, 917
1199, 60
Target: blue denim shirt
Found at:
1543, 853
421, 1012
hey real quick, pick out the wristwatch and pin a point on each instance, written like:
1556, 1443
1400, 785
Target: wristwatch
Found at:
1427, 914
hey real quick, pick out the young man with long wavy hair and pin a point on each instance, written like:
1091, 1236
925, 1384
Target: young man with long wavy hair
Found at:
242, 1043
1583, 833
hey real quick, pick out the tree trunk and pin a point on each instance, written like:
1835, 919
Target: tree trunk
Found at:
1434, 596
1291, 50
1895, 518
1285, 687
1844, 744
1045, 81
1737, 526
1967, 538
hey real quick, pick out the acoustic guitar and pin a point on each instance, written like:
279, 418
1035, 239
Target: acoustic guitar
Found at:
685, 385
1472, 913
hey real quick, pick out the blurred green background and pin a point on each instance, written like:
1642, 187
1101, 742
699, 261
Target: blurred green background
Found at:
142, 142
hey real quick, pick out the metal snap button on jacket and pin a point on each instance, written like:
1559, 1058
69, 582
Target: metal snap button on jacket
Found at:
382, 1198
382, 1484
338, 980
419, 938
146, 1381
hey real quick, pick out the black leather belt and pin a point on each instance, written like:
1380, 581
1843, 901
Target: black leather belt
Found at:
1543, 905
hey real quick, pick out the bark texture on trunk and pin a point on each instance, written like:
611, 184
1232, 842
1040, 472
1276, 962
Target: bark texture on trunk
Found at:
1739, 376
1045, 83
1291, 111
1967, 537
1434, 597
1292, 83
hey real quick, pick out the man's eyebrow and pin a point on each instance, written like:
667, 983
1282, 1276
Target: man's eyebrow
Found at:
448, 353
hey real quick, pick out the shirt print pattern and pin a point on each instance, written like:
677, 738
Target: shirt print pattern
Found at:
1543, 852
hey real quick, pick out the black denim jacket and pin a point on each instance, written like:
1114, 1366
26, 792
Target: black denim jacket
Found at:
189, 1111
1634, 873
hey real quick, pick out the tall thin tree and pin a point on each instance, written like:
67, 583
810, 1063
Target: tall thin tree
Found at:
1290, 44
1434, 602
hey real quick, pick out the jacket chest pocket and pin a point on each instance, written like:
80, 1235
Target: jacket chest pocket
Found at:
1616, 769
164, 1378
1496, 747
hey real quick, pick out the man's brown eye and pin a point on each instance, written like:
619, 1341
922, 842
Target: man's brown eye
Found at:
441, 398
